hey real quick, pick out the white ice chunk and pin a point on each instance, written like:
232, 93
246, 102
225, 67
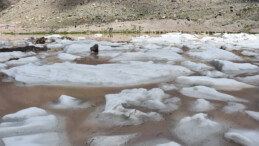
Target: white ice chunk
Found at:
249, 53
231, 66
30, 127
243, 137
68, 102
97, 75
22, 61
78, 48
41, 139
208, 93
201, 105
5, 56
149, 55
233, 107
198, 130
218, 83
254, 80
214, 74
167, 87
199, 67
115, 140
68, 57
24, 114
214, 53
55, 46
253, 114
169, 144
2, 66
98, 35
154, 99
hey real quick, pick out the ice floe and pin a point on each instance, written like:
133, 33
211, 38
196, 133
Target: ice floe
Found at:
135, 73
167, 87
243, 136
5, 56
254, 80
253, 114
69, 102
233, 107
154, 101
208, 93
149, 55
228, 66
22, 61
218, 83
115, 140
214, 53
249, 53
201, 105
198, 130
214, 74
67, 57
199, 67
29, 126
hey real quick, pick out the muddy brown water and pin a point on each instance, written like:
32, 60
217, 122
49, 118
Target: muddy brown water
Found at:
14, 97
80, 127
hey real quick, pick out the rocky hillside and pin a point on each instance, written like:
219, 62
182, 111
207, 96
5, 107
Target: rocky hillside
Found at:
56, 14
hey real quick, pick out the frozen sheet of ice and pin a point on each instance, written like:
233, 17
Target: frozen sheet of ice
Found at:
115, 140
2, 66
68, 57
135, 73
253, 114
152, 100
233, 107
201, 105
169, 144
22, 61
198, 130
29, 127
243, 136
149, 55
199, 67
208, 93
218, 83
83, 46
5, 56
214, 53
69, 102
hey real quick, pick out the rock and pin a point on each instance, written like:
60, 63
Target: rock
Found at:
41, 40
185, 48
24, 49
223, 47
95, 48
